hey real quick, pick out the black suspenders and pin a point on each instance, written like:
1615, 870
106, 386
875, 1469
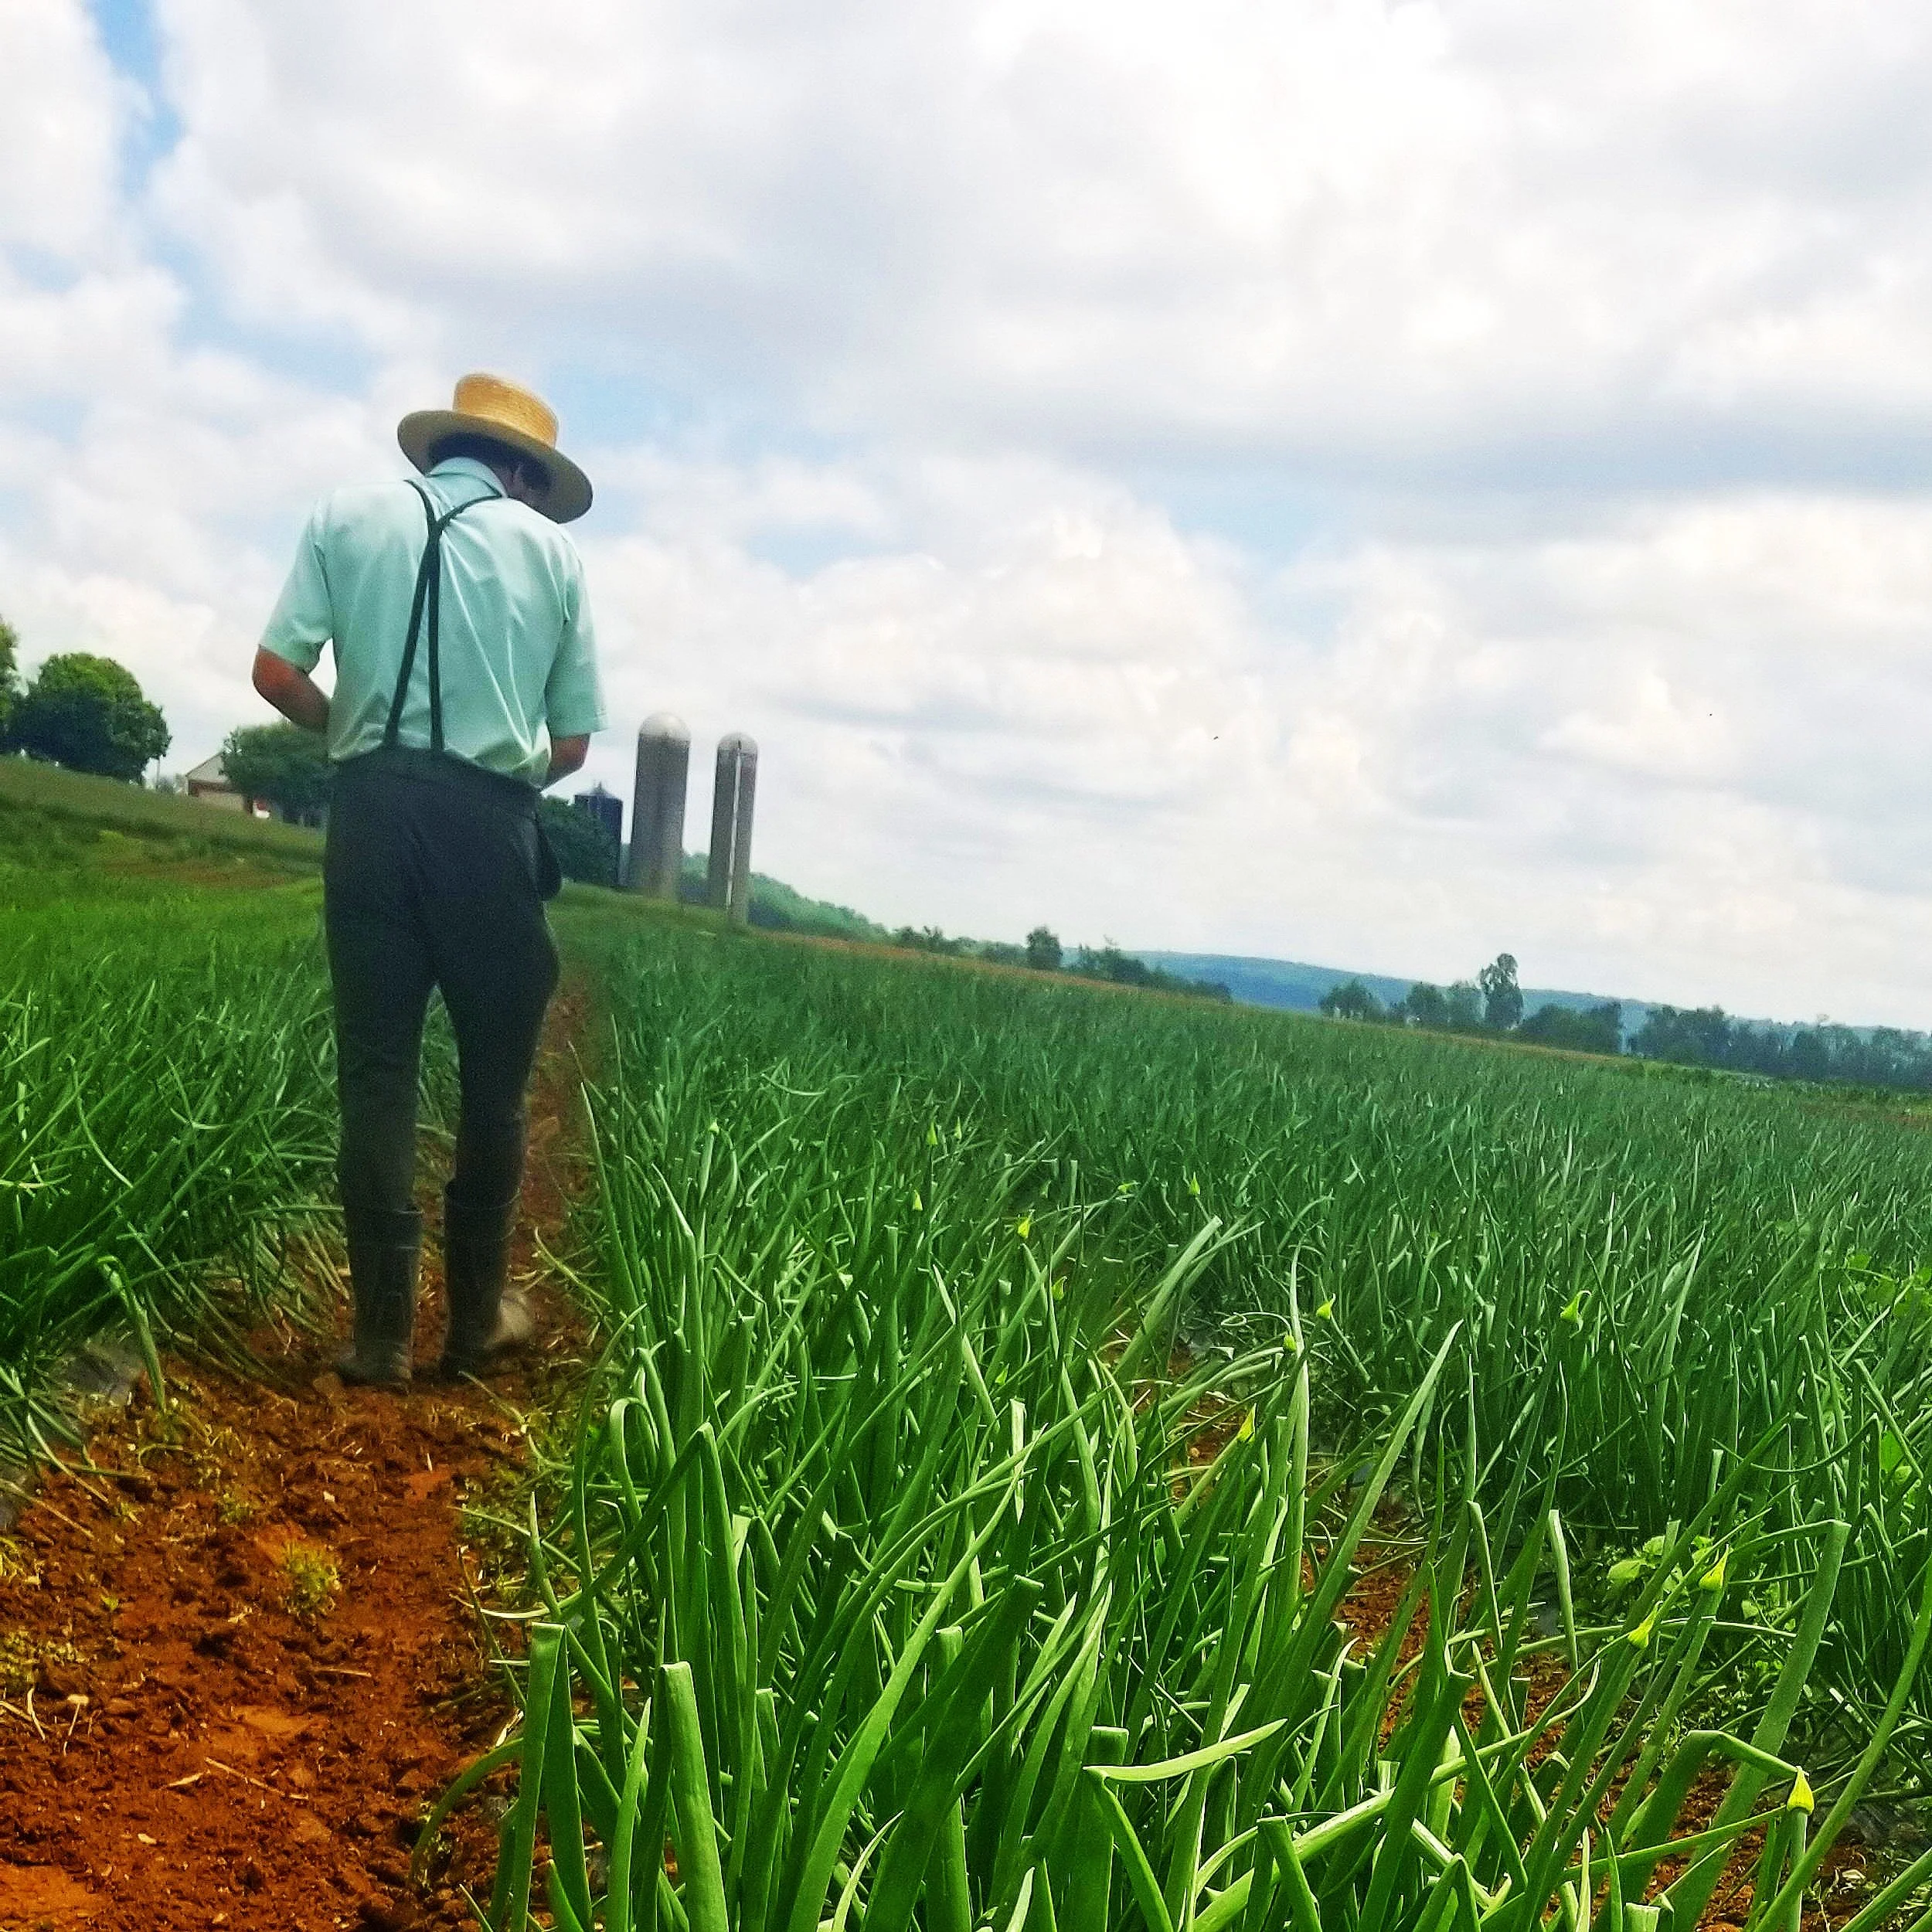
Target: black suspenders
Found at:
429, 595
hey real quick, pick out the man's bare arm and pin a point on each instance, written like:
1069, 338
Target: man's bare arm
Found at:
566, 755
292, 692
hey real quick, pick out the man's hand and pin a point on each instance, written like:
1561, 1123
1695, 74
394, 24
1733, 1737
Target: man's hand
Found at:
566, 755
292, 692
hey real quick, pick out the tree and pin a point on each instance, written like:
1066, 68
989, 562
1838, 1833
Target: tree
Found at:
1502, 997
9, 673
1810, 1054
584, 847
1423, 1005
1043, 949
1597, 1029
1351, 1000
1699, 1037
927, 939
283, 764
1109, 963
89, 714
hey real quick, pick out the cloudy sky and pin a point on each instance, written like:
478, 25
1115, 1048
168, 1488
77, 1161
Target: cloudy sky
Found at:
1374, 484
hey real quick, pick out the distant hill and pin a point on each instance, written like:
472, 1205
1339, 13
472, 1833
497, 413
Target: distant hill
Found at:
1298, 988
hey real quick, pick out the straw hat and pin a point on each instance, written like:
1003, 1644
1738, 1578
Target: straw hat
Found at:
488, 406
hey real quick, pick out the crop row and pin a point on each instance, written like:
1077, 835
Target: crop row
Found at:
165, 1117
934, 1560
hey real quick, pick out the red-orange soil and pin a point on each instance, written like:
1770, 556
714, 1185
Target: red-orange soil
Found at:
178, 1746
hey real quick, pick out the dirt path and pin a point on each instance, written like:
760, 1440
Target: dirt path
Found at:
235, 1670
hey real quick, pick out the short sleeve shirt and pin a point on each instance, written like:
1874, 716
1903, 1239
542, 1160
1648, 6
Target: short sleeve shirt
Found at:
518, 657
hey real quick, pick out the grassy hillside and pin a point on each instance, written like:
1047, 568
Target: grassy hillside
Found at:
48, 813
118, 836
777, 907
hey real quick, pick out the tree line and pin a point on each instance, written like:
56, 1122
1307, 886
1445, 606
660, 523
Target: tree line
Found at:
1492, 1002
1887, 1057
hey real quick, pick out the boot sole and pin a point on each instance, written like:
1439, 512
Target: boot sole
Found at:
354, 1378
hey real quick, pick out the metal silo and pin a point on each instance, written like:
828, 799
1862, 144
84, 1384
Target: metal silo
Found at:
728, 882
657, 809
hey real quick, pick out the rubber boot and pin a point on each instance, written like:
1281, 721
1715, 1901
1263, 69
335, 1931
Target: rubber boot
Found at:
487, 1318
382, 1252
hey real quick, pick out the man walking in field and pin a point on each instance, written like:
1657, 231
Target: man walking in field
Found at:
466, 681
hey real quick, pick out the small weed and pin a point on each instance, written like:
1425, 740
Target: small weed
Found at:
233, 1508
24, 1658
208, 1450
19, 1664
109, 1602
163, 1432
219, 1446
311, 1580
16, 1564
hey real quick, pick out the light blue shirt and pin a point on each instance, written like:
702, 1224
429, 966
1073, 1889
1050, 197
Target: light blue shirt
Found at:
518, 657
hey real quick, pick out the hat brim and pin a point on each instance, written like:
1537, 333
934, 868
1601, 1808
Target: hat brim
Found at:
568, 495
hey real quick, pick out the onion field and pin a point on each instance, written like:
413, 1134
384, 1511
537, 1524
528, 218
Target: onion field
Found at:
1062, 1458
1006, 1383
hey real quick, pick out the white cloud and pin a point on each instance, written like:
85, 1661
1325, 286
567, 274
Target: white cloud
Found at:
57, 137
1587, 351
1357, 233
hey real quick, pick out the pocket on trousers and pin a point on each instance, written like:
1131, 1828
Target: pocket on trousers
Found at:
360, 865
549, 874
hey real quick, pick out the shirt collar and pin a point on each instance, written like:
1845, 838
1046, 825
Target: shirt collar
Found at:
471, 466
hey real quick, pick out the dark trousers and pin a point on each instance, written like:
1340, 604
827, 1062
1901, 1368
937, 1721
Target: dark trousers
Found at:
430, 880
